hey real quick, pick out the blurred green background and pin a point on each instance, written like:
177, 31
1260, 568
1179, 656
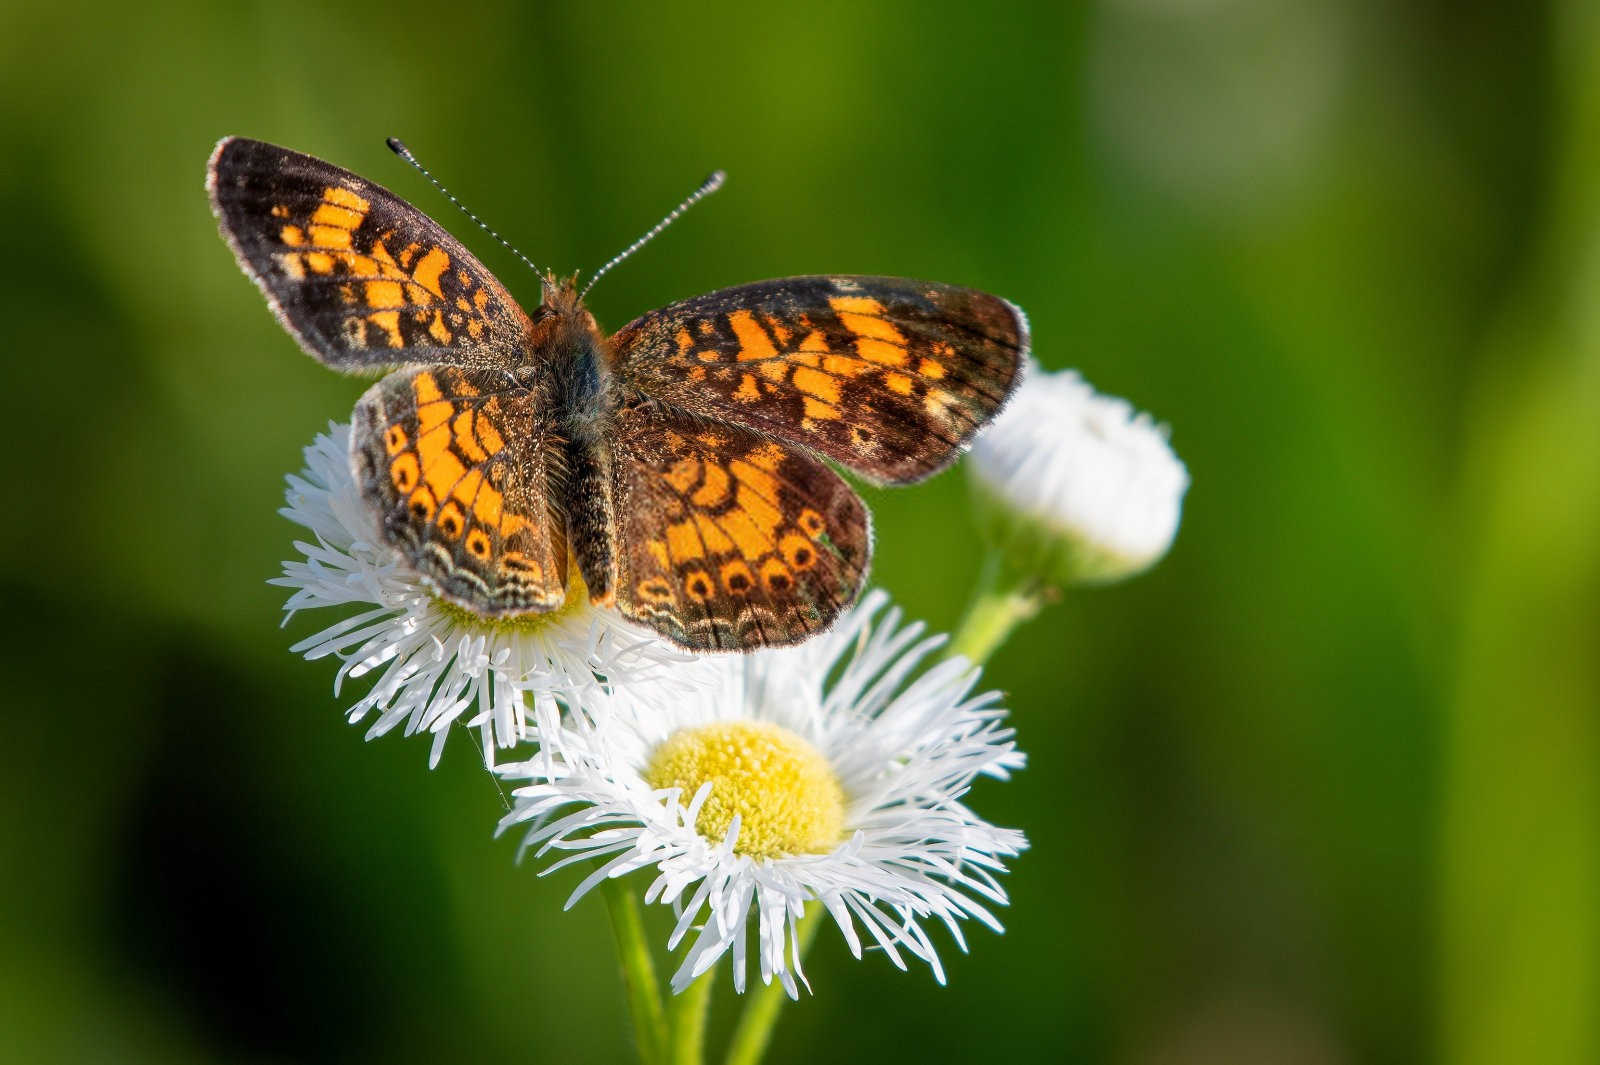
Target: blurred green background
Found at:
1321, 788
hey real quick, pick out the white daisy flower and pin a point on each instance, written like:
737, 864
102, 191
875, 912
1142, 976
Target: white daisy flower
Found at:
435, 662
823, 773
1077, 486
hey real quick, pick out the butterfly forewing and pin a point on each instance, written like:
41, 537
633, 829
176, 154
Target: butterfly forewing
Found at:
889, 377
456, 468
728, 540
360, 277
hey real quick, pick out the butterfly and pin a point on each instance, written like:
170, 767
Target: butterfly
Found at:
679, 464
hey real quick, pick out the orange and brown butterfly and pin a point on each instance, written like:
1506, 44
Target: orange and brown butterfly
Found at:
677, 464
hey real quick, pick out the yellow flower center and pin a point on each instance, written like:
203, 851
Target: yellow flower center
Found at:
535, 621
785, 793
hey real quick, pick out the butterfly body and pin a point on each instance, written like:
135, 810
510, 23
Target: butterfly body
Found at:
676, 464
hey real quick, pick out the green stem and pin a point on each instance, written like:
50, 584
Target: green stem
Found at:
762, 1005
686, 1021
999, 604
638, 970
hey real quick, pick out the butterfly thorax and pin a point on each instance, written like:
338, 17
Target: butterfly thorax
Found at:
568, 352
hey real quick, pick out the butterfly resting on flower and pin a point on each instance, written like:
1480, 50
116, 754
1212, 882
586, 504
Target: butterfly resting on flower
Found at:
678, 464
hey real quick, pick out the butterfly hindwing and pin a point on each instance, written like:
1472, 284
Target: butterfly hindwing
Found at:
728, 540
360, 277
456, 469
888, 377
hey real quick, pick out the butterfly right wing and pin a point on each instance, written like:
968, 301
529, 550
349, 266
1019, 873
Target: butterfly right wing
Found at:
362, 279
888, 377
455, 465
727, 540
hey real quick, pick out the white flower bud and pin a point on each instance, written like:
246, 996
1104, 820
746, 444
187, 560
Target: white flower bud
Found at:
1074, 486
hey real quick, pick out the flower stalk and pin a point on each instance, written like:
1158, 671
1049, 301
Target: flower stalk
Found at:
638, 970
763, 1005
1001, 602
686, 1022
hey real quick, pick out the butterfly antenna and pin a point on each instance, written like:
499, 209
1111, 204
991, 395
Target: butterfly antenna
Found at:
707, 187
405, 153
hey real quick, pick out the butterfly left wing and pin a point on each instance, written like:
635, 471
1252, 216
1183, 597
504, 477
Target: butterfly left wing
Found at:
727, 540
362, 279
889, 377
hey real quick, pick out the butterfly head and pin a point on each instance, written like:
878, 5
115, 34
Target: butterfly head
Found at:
559, 293
562, 300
